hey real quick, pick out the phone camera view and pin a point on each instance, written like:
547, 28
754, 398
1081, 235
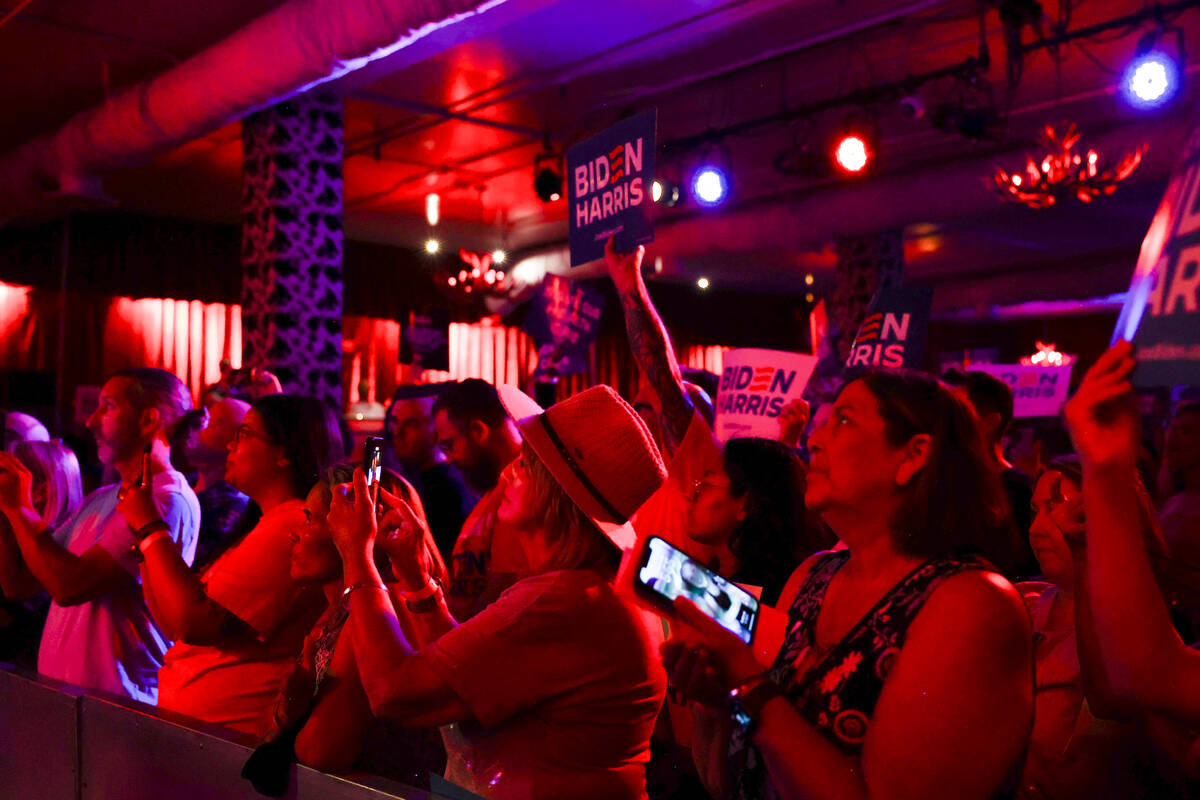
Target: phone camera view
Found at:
670, 573
373, 460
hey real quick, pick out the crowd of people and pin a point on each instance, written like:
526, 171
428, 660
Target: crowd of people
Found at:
950, 626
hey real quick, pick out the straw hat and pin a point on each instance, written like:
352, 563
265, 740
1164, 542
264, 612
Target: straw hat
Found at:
598, 449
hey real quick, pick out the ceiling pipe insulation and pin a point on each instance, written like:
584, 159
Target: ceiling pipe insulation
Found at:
300, 45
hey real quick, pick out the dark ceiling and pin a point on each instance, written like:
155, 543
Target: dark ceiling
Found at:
758, 83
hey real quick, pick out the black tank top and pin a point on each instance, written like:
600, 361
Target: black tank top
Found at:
838, 694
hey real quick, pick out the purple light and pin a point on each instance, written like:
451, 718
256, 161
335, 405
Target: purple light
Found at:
710, 187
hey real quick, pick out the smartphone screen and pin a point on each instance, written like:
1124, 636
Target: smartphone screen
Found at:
373, 459
665, 572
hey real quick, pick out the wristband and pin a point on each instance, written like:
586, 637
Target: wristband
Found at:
144, 544
364, 585
150, 528
430, 588
424, 605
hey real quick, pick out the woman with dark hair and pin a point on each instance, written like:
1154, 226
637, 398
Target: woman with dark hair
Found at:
552, 690
751, 514
321, 715
238, 625
906, 667
1077, 749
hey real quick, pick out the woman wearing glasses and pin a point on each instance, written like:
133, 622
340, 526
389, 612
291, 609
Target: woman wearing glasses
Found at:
238, 625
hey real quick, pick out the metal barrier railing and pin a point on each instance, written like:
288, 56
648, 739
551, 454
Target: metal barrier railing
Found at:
60, 742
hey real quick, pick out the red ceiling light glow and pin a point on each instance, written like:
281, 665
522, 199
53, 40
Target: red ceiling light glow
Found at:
851, 153
853, 148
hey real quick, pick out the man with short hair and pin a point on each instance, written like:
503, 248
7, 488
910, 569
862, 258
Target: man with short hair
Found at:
221, 505
478, 436
992, 400
444, 493
99, 633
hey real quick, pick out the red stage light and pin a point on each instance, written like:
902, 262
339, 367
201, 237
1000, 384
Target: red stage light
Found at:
851, 153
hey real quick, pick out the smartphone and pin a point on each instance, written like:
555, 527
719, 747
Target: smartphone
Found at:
373, 465
665, 572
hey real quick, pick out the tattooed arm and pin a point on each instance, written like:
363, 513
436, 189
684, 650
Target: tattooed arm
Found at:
649, 341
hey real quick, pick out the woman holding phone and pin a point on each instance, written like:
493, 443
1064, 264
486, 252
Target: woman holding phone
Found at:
906, 667
238, 625
553, 689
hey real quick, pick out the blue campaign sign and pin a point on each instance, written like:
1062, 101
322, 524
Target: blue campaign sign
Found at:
563, 320
893, 333
608, 188
1161, 315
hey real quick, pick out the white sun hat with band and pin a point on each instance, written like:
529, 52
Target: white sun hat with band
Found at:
598, 449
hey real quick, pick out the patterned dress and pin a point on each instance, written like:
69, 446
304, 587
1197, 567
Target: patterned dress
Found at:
838, 694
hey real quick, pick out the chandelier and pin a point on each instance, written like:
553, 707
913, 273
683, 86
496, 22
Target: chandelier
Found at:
477, 275
1064, 171
1048, 355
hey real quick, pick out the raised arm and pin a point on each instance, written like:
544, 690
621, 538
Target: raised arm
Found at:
419, 590
70, 579
399, 684
649, 341
1144, 659
174, 594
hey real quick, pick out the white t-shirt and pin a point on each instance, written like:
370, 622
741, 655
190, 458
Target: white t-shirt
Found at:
112, 643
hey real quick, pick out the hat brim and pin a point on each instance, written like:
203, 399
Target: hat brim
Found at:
524, 410
520, 406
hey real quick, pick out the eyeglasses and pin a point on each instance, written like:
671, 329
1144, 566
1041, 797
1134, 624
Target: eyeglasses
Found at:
712, 481
244, 431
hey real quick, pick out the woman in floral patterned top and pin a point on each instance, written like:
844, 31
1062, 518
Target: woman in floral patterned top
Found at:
906, 670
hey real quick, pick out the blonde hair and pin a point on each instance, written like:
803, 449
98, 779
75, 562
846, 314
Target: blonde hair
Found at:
573, 540
54, 465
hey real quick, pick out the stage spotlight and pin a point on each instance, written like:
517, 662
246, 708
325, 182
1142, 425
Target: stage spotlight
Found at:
498, 256
851, 153
710, 187
664, 193
547, 176
702, 283
433, 208
432, 246
548, 184
1152, 79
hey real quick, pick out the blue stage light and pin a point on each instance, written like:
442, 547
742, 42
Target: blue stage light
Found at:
710, 187
1151, 80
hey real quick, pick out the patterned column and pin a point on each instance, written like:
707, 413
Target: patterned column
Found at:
865, 264
292, 244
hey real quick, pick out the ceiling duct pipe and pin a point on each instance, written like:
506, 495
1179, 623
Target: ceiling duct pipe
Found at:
297, 46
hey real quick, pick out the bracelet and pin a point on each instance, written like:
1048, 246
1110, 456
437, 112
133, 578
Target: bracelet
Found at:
364, 585
149, 528
424, 605
158, 535
748, 684
430, 588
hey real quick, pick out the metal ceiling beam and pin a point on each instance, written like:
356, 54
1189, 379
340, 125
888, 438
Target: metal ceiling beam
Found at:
426, 109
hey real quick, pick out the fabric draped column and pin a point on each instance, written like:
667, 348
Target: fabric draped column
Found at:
292, 244
865, 264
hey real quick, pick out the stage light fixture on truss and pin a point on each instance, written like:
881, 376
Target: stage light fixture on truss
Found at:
547, 177
855, 145
1154, 76
709, 185
665, 193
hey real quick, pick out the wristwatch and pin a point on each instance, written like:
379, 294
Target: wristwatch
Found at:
746, 701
